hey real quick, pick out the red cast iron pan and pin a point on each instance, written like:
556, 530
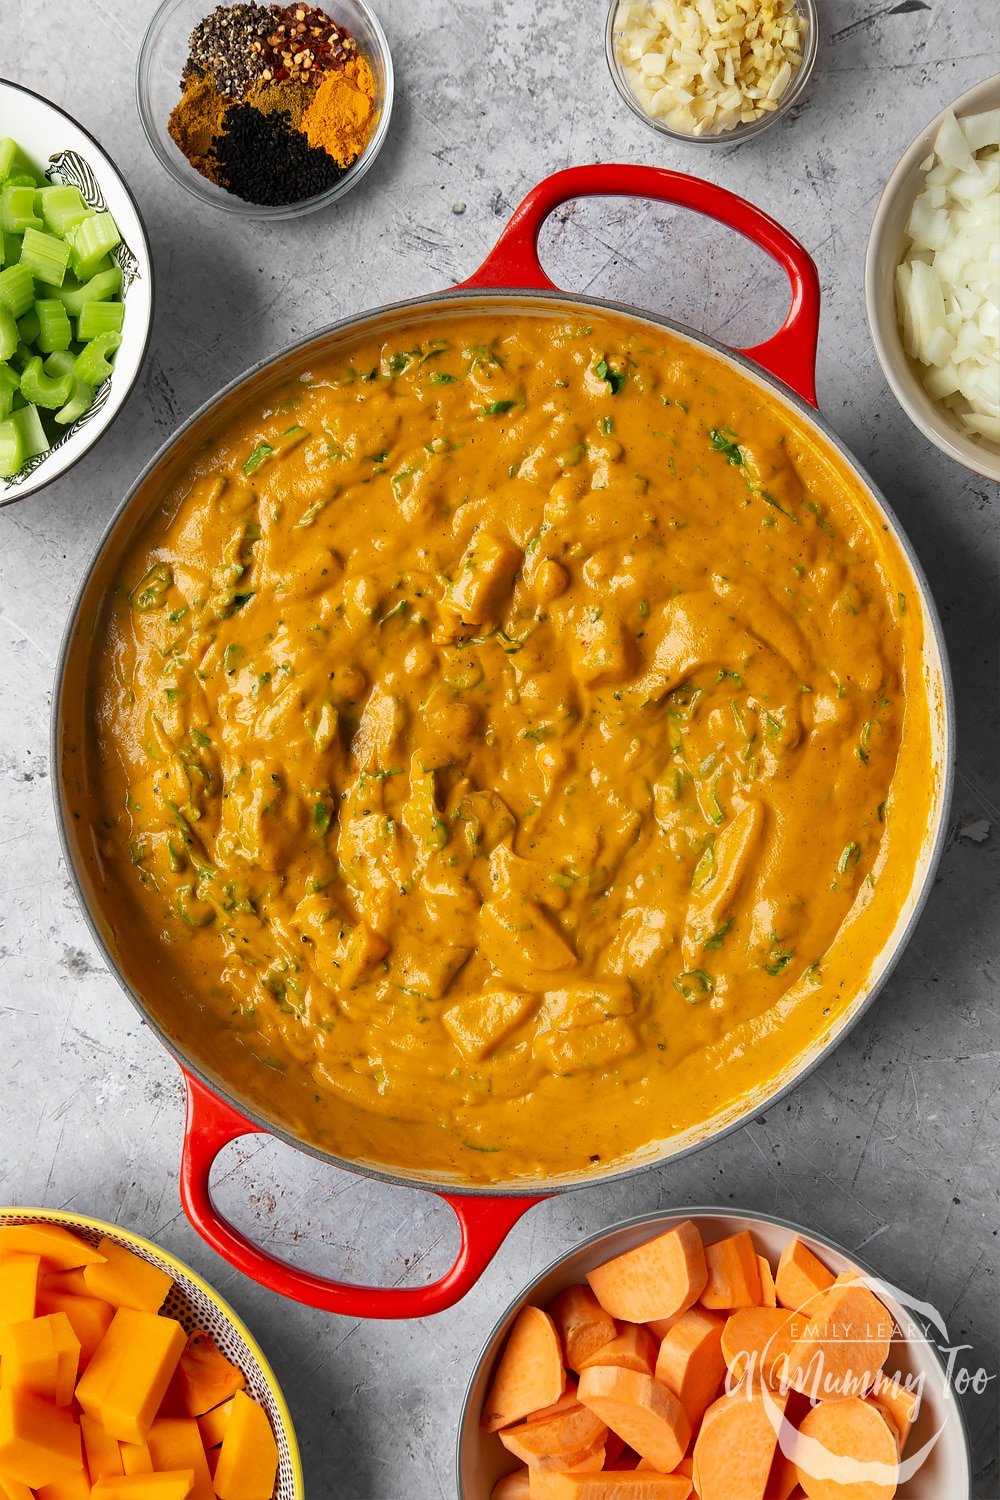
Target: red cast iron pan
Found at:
486, 1215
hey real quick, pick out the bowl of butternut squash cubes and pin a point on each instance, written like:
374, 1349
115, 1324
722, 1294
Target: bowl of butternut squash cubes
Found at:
123, 1376
712, 1356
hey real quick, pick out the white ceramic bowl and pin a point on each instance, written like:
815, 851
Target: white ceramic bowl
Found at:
198, 1307
946, 1475
886, 241
65, 152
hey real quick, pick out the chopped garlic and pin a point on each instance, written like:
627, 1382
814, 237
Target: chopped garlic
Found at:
705, 67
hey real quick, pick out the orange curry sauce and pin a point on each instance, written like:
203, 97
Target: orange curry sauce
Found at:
497, 742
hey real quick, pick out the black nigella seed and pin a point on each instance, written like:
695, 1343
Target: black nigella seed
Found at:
261, 159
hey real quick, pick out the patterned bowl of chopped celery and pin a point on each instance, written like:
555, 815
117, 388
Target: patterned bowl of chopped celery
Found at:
76, 292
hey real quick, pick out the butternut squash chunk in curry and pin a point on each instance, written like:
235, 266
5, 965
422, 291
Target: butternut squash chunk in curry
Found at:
500, 724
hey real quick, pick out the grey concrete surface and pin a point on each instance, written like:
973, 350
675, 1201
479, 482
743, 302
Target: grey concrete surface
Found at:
890, 1148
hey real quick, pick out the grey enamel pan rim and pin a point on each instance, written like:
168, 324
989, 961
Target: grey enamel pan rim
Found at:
447, 302
666, 1218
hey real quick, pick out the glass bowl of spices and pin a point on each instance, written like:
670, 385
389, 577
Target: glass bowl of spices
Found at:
715, 73
265, 111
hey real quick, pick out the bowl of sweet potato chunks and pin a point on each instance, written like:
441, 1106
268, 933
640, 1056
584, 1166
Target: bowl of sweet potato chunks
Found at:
707, 1355
124, 1376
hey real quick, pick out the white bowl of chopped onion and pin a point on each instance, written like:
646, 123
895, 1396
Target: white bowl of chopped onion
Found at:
932, 280
715, 72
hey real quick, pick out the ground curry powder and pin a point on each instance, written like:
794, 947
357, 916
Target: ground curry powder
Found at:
342, 115
196, 120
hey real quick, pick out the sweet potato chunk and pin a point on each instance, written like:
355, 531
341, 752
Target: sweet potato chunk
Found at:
898, 1403
800, 1276
736, 1445
690, 1360
733, 1273
530, 1374
583, 1325
657, 1279
634, 1348
557, 1442
639, 1409
840, 1344
846, 1450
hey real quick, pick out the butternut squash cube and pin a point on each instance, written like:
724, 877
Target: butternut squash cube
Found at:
206, 1377
73, 1487
89, 1317
176, 1443
104, 1459
172, 1486
136, 1458
212, 1426
60, 1249
18, 1288
13, 1489
248, 1458
129, 1372
39, 1442
126, 1280
41, 1355
64, 1281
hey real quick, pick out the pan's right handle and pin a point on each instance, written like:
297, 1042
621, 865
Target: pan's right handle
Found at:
790, 354
484, 1223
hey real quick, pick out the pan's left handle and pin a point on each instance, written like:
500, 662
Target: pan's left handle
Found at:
484, 1223
790, 353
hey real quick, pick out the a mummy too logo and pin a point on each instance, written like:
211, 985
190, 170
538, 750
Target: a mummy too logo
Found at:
844, 1385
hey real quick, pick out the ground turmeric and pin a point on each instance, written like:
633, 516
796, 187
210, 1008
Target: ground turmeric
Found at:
342, 115
196, 120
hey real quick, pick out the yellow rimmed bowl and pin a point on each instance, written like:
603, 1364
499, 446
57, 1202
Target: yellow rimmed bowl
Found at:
198, 1308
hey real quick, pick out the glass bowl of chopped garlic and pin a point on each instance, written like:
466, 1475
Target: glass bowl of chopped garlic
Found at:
712, 72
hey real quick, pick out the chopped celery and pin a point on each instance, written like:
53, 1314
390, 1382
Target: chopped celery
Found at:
17, 209
92, 364
61, 313
99, 317
8, 333
11, 156
22, 354
78, 403
60, 362
45, 256
63, 208
12, 454
22, 436
54, 331
44, 390
28, 327
91, 240
17, 290
98, 289
10, 384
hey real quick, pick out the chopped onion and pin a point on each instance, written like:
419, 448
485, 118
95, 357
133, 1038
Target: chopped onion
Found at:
948, 284
706, 67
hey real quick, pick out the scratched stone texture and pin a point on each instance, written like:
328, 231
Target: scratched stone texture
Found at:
891, 1146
